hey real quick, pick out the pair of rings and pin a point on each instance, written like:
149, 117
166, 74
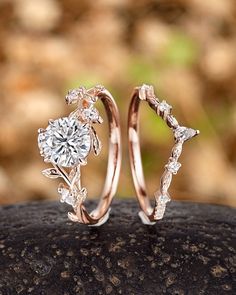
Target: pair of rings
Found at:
67, 142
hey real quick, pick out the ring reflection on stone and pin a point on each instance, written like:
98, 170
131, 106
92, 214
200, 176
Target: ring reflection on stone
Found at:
67, 142
181, 134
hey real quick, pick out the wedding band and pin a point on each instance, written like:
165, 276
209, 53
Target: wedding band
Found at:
67, 142
181, 134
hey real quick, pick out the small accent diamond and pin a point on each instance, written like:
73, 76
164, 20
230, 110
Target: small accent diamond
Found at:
73, 96
163, 199
91, 114
66, 196
173, 167
164, 107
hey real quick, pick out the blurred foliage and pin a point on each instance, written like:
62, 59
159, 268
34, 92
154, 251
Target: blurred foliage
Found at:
181, 50
186, 49
140, 71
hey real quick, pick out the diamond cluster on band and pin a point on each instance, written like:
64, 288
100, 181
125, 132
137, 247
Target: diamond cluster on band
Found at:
67, 142
181, 134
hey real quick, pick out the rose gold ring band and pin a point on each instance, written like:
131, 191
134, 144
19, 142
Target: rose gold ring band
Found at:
66, 144
181, 134
101, 213
135, 156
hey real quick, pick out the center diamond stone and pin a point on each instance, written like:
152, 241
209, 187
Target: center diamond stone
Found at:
65, 141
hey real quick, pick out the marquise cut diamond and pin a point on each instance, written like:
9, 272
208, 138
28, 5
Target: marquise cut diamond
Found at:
183, 133
65, 141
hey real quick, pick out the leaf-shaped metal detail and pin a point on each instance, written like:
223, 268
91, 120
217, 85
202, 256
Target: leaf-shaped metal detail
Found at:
73, 217
177, 150
165, 181
97, 146
51, 173
83, 161
82, 194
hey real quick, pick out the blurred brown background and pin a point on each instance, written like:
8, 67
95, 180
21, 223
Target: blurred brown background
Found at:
185, 48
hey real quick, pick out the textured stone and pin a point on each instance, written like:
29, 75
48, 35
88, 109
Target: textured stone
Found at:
191, 251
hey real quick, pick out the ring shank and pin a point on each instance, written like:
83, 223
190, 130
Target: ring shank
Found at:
135, 157
101, 213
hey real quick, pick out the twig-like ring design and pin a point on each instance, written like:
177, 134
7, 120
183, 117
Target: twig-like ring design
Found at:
148, 214
66, 144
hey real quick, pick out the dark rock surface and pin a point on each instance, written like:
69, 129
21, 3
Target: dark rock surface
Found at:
192, 251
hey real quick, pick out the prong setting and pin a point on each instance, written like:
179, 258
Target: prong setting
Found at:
41, 130
181, 134
67, 142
